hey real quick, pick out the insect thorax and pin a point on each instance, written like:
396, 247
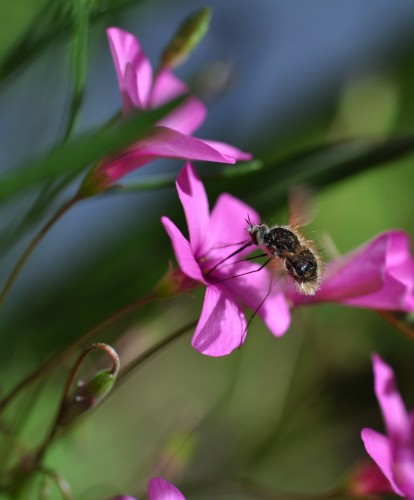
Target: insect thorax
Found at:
281, 241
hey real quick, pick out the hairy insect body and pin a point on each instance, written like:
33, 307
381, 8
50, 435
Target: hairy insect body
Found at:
298, 255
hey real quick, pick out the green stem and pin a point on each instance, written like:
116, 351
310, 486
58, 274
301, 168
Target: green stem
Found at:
33, 244
155, 349
55, 360
60, 482
122, 377
66, 392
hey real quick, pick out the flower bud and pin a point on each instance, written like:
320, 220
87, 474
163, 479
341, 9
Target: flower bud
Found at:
88, 394
188, 36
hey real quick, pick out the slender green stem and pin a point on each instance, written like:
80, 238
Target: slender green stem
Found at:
66, 392
155, 349
33, 244
122, 377
60, 482
55, 360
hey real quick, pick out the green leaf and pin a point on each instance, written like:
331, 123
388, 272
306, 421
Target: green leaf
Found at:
53, 20
80, 42
77, 154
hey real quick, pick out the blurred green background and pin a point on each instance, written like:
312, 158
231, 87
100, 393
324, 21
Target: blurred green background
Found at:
322, 94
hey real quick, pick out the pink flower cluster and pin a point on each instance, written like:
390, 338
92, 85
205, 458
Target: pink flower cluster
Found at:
171, 138
378, 275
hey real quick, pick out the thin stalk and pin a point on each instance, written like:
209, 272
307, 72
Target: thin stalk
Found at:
399, 325
55, 360
155, 349
33, 244
59, 481
98, 346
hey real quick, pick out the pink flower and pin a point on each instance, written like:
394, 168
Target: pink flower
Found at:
393, 453
158, 489
213, 236
171, 138
377, 275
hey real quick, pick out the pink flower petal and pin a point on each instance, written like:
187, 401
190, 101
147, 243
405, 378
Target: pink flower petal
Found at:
126, 50
394, 295
221, 327
160, 489
379, 275
228, 150
162, 143
252, 288
187, 117
194, 200
396, 292
182, 250
228, 224
379, 450
167, 143
166, 87
392, 407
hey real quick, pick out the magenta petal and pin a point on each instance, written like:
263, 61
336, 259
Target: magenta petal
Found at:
182, 250
393, 410
168, 143
354, 275
252, 289
228, 224
378, 448
125, 50
187, 118
221, 327
166, 87
394, 295
160, 489
228, 150
195, 204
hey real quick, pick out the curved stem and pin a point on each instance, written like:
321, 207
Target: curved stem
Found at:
60, 482
66, 391
33, 244
55, 360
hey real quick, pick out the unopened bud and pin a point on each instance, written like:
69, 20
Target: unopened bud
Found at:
88, 394
188, 36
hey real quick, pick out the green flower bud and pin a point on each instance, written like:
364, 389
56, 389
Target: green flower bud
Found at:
188, 36
88, 394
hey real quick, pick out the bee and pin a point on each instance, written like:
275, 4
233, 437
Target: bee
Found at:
286, 244
298, 255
